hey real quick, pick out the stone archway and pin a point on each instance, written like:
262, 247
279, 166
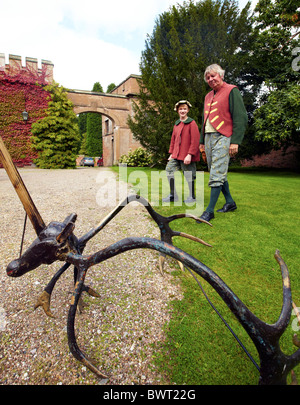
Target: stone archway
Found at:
108, 135
114, 107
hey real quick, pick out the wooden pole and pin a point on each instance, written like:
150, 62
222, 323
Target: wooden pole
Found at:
21, 189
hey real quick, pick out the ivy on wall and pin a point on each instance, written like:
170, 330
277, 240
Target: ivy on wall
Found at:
20, 91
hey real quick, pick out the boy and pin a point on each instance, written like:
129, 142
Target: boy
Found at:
184, 151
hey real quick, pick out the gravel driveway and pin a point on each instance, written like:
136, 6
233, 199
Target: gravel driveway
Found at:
117, 329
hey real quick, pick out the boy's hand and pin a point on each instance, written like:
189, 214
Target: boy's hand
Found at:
187, 159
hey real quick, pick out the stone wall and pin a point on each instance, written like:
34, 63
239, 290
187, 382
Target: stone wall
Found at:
277, 159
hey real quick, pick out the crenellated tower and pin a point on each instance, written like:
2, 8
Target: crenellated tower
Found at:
31, 65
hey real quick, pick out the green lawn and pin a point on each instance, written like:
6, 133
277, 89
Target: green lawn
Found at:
200, 349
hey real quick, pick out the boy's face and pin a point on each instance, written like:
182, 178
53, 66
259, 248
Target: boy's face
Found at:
183, 110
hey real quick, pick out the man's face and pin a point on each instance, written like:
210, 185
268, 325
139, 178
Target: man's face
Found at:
214, 80
183, 110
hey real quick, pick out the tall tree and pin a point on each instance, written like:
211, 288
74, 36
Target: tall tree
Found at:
184, 41
110, 87
94, 129
277, 26
82, 118
277, 120
56, 136
82, 122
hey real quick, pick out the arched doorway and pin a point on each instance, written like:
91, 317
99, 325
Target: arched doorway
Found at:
90, 129
101, 128
109, 130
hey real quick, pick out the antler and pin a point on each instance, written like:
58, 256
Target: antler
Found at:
274, 365
163, 222
166, 233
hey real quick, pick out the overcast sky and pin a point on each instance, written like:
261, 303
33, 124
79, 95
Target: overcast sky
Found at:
88, 41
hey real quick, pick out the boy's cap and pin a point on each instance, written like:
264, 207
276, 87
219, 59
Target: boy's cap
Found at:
182, 102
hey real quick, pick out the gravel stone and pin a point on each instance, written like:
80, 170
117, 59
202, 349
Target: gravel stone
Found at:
118, 329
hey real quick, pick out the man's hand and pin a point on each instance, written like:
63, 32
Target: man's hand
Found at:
233, 149
202, 151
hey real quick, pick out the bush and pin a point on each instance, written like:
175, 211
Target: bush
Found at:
56, 137
138, 158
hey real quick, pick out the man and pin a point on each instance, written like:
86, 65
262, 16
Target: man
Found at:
223, 129
184, 151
